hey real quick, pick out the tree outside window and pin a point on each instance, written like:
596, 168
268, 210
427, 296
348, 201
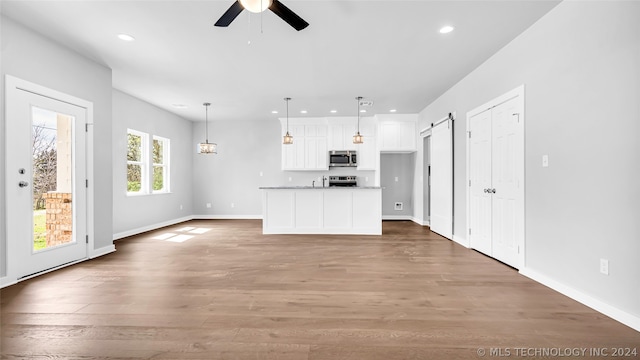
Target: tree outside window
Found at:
136, 162
160, 164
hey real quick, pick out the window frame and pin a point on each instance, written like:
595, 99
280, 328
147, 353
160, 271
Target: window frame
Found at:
166, 161
143, 163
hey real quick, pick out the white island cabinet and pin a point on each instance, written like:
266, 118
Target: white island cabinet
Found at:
318, 210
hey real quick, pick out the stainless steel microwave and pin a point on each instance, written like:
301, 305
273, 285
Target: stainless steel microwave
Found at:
342, 158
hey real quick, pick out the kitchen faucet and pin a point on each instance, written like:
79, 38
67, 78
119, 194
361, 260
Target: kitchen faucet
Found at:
323, 180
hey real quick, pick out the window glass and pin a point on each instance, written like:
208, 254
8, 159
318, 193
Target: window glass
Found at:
136, 162
160, 164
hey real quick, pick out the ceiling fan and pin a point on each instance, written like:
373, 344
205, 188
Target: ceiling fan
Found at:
258, 6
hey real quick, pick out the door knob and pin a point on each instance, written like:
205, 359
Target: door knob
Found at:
23, 184
493, 191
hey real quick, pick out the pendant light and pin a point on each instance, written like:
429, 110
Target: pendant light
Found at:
206, 147
287, 139
357, 138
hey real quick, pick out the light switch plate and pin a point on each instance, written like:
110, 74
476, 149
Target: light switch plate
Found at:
545, 160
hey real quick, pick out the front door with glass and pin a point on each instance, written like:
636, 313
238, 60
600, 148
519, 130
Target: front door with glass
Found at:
46, 191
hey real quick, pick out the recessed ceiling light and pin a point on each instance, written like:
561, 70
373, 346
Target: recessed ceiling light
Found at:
179, 106
303, 111
392, 110
126, 37
446, 29
274, 112
334, 111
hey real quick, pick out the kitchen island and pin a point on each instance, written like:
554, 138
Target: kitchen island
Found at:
322, 210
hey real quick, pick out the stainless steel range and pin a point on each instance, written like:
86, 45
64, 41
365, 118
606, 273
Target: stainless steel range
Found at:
348, 180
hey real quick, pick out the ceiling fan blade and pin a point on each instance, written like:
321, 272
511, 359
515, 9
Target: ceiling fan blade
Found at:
230, 14
287, 15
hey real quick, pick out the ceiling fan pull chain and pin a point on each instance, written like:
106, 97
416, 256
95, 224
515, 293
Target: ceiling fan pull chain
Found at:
249, 29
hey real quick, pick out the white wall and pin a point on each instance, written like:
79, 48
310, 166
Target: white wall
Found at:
145, 211
579, 64
32, 57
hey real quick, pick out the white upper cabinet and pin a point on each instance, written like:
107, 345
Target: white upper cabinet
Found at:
341, 131
309, 149
397, 133
367, 150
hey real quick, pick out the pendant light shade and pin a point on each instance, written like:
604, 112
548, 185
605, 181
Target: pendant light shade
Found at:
357, 138
206, 147
287, 139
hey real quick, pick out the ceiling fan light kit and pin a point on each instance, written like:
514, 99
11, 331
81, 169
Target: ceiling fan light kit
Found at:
258, 6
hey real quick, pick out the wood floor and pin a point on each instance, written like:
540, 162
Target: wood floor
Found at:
219, 289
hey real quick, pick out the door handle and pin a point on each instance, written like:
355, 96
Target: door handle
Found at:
493, 191
23, 184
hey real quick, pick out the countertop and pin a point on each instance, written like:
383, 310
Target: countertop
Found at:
318, 187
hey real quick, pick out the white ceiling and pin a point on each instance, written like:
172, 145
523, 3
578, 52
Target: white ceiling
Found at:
386, 51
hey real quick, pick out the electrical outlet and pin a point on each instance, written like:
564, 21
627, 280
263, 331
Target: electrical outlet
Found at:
233, 205
396, 178
397, 206
290, 179
208, 205
180, 206
261, 173
545, 160
604, 266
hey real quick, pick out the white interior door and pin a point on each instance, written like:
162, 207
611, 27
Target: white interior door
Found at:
441, 217
480, 218
496, 178
45, 173
505, 183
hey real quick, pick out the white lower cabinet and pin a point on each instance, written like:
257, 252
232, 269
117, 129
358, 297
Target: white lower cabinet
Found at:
307, 210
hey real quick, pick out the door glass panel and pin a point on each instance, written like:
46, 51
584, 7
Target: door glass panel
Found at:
52, 178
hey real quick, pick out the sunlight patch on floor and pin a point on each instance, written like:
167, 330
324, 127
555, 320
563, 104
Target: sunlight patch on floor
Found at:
179, 238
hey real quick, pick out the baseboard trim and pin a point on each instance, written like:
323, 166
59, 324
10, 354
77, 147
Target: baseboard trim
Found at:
397, 217
143, 229
419, 221
5, 281
613, 312
227, 217
460, 240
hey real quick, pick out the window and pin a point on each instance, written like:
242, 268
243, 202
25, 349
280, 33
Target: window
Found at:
147, 167
160, 164
136, 162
